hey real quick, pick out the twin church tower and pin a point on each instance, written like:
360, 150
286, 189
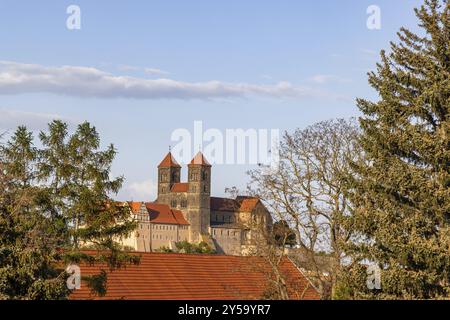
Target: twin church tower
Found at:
193, 198
185, 211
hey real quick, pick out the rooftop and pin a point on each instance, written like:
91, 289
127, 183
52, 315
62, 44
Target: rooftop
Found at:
160, 213
169, 161
164, 276
241, 204
200, 159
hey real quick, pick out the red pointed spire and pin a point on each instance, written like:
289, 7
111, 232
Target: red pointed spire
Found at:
169, 161
200, 159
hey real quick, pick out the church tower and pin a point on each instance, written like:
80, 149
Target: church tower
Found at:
168, 173
198, 197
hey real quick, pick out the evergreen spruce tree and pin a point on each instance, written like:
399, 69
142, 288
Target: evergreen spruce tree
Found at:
402, 193
79, 189
55, 203
29, 241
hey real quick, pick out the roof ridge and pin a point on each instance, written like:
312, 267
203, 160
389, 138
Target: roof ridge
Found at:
199, 159
169, 161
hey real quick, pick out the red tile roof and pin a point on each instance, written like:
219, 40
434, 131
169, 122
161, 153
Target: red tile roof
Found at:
242, 204
160, 213
135, 206
200, 159
162, 276
180, 187
247, 204
169, 161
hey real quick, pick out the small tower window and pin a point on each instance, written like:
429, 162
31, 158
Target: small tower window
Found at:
194, 176
173, 203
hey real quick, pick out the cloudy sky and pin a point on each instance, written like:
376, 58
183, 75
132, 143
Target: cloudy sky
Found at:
138, 70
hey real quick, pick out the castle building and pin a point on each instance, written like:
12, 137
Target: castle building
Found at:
185, 211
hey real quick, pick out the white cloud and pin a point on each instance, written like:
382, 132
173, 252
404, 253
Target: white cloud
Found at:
10, 119
328, 78
143, 191
156, 72
18, 78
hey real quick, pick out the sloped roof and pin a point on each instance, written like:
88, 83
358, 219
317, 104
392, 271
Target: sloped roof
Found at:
200, 159
169, 161
160, 213
223, 204
164, 276
135, 206
180, 187
247, 204
241, 204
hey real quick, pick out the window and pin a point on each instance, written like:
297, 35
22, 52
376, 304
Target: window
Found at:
194, 176
183, 203
173, 203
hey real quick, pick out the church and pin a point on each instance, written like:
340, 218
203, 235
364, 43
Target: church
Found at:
185, 211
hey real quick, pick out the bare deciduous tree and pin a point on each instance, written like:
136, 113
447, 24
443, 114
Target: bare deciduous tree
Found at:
306, 190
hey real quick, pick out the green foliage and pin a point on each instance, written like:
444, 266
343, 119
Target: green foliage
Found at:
28, 239
54, 201
97, 283
402, 193
189, 248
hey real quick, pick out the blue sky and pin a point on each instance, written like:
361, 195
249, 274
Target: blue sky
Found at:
231, 64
